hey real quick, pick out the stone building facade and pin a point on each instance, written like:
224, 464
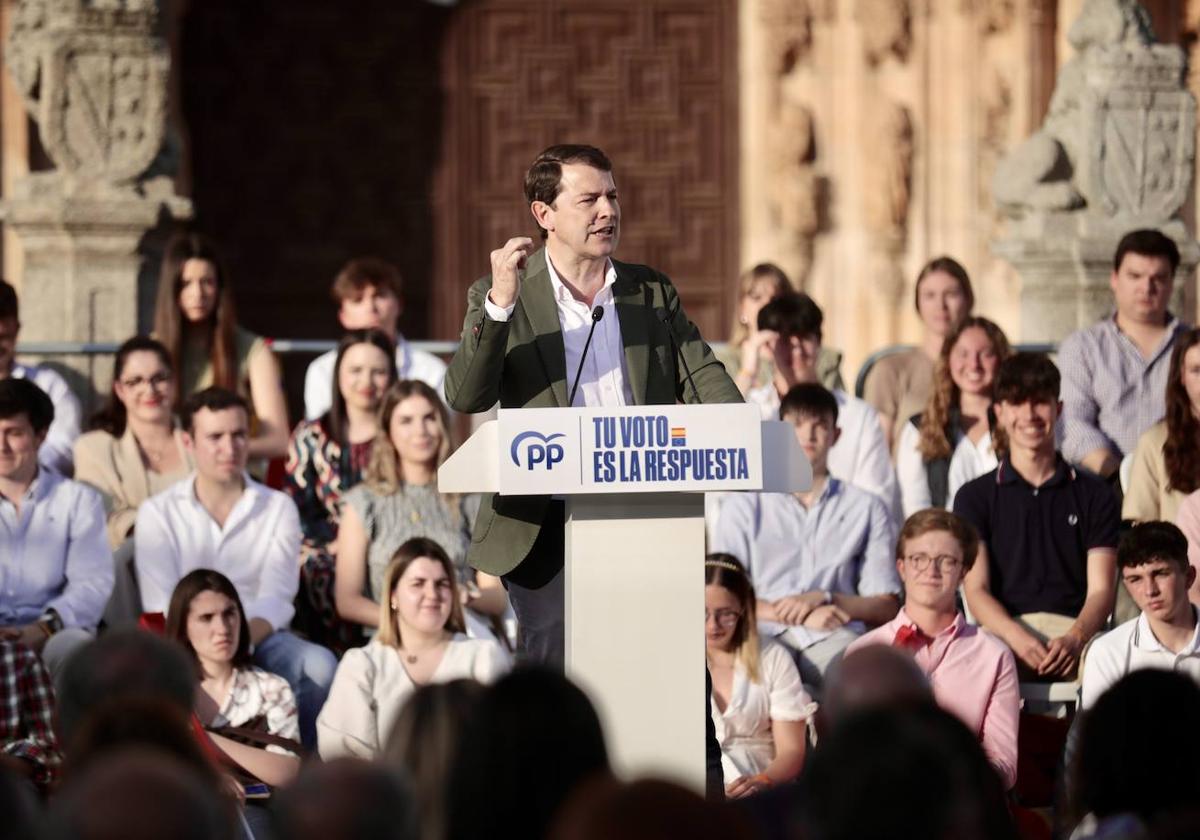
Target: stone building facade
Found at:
848, 140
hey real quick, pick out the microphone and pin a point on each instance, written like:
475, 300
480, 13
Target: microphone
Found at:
665, 316
597, 314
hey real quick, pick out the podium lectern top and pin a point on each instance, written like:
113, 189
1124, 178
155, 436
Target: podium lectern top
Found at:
634, 449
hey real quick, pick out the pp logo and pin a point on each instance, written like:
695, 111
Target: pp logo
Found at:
538, 449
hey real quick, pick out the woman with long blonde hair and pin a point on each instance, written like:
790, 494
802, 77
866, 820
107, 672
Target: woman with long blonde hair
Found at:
953, 440
420, 641
398, 499
759, 706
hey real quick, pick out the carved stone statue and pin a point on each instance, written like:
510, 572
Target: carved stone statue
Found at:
787, 29
1118, 140
888, 177
94, 76
1115, 153
886, 29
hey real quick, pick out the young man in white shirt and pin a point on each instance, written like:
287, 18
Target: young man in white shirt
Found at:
1153, 563
57, 449
56, 569
368, 295
860, 456
821, 561
219, 518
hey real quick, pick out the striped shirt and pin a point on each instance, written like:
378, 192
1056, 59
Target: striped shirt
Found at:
1111, 393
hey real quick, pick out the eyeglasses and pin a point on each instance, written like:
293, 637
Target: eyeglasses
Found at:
944, 562
156, 381
724, 617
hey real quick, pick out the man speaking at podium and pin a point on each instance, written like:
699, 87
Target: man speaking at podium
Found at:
567, 325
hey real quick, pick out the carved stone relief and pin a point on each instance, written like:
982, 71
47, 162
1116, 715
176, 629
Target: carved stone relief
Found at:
886, 29
795, 187
787, 32
888, 162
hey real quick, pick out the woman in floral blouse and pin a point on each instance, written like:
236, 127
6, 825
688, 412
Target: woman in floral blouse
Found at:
205, 615
326, 457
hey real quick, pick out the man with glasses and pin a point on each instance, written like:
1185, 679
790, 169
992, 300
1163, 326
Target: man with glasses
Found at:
55, 451
973, 675
821, 560
1045, 580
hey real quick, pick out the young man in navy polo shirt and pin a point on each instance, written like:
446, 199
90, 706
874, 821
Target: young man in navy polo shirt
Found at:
1046, 581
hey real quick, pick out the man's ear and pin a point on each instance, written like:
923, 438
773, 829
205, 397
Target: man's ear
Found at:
189, 443
543, 214
1191, 575
835, 437
341, 316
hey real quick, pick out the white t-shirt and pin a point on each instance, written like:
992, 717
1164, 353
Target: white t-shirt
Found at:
744, 729
410, 364
968, 461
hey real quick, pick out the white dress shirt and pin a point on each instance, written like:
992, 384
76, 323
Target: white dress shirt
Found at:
54, 554
410, 364
603, 380
57, 450
860, 457
1131, 647
968, 461
258, 548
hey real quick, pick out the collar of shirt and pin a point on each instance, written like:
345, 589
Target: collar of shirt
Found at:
38, 489
1167, 342
187, 489
1144, 638
563, 295
932, 654
1006, 473
832, 488
403, 356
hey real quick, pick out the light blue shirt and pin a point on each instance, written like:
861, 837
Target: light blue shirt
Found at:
54, 554
844, 543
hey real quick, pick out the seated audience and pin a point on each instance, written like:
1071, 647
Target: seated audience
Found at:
369, 297
1115, 371
140, 793
55, 453
759, 706
973, 674
860, 456
133, 451
520, 733
910, 770
27, 717
194, 317
219, 518
328, 456
1124, 780
54, 557
399, 500
748, 357
900, 385
1153, 564
1166, 464
645, 809
425, 737
420, 641
821, 560
950, 442
232, 696
346, 799
120, 668
1043, 581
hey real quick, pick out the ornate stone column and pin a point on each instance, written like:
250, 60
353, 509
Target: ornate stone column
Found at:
1115, 153
94, 76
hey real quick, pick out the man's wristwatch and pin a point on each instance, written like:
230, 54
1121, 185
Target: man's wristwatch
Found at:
50, 622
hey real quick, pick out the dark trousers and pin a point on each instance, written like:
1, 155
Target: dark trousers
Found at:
535, 590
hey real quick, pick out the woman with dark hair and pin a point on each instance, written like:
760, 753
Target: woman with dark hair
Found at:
425, 738
952, 441
759, 706
899, 385
328, 456
420, 641
1166, 463
747, 357
206, 616
133, 451
398, 500
195, 318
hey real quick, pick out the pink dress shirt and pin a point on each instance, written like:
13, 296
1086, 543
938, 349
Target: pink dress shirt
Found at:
974, 676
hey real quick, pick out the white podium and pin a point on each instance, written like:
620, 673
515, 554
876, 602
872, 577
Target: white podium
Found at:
634, 480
